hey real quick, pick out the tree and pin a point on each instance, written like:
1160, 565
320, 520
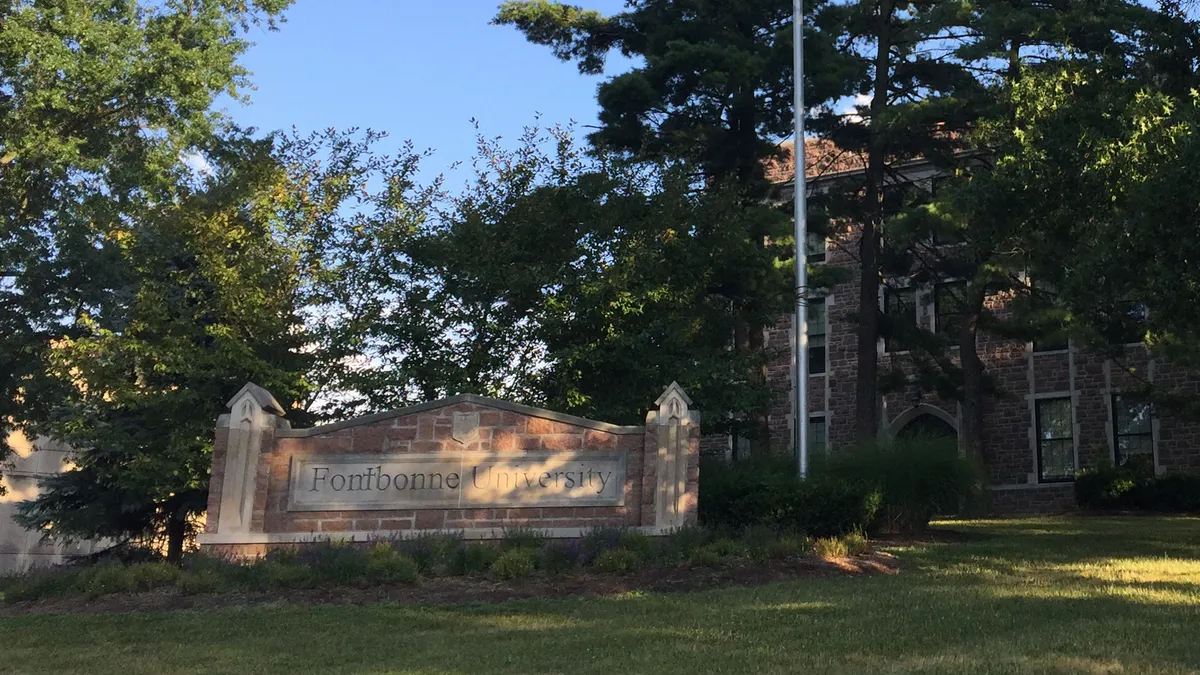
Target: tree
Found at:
712, 92
208, 295
921, 100
99, 105
1099, 154
1013, 41
553, 278
940, 74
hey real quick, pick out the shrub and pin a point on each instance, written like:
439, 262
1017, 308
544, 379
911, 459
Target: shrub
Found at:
767, 491
707, 556
728, 548
433, 553
1105, 488
108, 579
522, 537
515, 563
45, 583
598, 540
831, 547
856, 543
473, 558
757, 491
198, 583
788, 546
386, 566
618, 561
680, 543
148, 576
639, 543
334, 564
1137, 488
1171, 493
758, 540
284, 574
559, 557
829, 507
916, 478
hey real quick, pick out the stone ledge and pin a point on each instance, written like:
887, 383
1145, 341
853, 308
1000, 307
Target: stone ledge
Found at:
375, 535
1032, 486
462, 398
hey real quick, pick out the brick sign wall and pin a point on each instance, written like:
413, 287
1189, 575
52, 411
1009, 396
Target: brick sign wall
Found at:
464, 463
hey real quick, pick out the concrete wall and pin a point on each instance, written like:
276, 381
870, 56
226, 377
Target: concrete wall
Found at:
21, 549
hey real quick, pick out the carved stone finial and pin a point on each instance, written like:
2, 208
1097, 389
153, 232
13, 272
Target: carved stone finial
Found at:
673, 403
261, 396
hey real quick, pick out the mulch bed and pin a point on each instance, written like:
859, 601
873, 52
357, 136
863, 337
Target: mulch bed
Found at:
447, 590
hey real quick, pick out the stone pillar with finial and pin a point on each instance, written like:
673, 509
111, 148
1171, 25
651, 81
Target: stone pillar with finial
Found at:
243, 434
674, 429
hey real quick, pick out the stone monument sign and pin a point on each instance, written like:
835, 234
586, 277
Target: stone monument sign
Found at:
464, 464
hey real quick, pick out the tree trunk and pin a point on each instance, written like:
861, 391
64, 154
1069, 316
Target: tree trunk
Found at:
176, 531
972, 402
867, 392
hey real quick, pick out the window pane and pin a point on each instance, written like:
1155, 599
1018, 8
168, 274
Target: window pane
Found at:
1056, 450
1130, 446
816, 435
948, 299
1058, 459
1054, 419
816, 317
1050, 343
900, 304
1131, 415
814, 247
816, 356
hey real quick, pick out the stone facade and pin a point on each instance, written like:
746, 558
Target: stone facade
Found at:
1010, 425
20, 549
256, 455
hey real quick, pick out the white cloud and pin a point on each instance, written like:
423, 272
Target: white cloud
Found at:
197, 162
849, 107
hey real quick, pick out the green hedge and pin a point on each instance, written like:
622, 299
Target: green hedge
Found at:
1137, 489
897, 486
918, 477
766, 491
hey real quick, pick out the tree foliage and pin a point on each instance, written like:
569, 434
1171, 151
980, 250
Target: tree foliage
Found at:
207, 294
551, 278
98, 103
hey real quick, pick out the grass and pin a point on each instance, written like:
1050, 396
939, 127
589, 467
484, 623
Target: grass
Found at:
1025, 596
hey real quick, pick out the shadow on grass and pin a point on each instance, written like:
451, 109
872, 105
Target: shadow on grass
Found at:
1030, 599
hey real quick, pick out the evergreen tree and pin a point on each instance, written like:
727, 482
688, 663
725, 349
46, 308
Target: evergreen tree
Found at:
712, 90
1010, 40
1097, 150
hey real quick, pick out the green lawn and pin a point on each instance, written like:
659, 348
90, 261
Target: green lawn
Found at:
1024, 596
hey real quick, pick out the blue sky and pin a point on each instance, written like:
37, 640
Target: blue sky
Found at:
417, 69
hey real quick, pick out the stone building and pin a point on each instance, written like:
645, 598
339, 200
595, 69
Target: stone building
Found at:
32, 461
1060, 407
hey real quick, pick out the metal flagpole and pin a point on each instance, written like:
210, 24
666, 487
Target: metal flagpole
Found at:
800, 348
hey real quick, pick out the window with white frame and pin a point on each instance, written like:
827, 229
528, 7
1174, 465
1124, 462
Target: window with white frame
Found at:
1133, 430
1055, 440
948, 302
814, 248
818, 435
816, 336
900, 306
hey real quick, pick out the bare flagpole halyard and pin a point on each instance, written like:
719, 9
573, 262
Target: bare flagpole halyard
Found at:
800, 348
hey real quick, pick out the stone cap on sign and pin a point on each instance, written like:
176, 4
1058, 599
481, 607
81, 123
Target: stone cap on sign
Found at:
673, 403
261, 396
531, 411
